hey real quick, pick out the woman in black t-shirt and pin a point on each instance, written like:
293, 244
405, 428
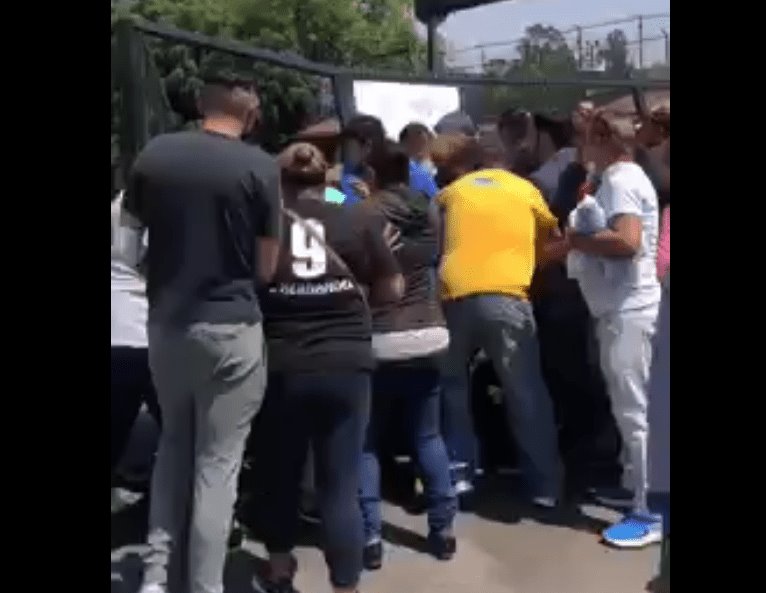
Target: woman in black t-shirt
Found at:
408, 337
318, 327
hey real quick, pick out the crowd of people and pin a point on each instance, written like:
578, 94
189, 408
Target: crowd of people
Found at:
330, 303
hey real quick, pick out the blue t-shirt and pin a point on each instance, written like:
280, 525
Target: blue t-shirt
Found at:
420, 180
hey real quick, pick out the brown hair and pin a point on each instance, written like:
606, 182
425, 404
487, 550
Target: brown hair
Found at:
516, 121
303, 164
493, 152
610, 125
455, 150
390, 164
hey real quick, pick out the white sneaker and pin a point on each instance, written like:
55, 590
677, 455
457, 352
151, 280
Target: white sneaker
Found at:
463, 487
545, 502
122, 498
153, 588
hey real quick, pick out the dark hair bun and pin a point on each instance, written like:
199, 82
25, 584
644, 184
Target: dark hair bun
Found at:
302, 156
303, 163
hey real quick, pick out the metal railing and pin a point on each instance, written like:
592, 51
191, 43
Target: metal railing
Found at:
133, 65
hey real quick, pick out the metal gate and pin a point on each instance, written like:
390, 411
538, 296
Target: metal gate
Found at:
144, 110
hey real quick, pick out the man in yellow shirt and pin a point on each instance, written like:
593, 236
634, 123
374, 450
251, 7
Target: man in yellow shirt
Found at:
495, 228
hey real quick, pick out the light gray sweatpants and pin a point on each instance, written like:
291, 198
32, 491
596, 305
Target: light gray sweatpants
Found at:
625, 344
210, 381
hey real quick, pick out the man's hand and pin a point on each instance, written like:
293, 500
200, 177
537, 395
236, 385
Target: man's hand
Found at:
577, 241
557, 249
392, 237
361, 188
553, 249
572, 237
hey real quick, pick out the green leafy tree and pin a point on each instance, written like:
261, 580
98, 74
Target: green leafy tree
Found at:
359, 33
543, 54
615, 54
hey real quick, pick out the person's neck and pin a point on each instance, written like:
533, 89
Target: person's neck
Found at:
622, 158
312, 192
223, 125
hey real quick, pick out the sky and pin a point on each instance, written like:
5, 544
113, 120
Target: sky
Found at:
507, 20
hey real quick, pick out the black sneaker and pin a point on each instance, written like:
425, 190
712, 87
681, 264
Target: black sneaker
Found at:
619, 497
372, 556
467, 502
283, 586
442, 547
309, 513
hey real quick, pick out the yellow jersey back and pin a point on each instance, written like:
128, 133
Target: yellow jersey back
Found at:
494, 222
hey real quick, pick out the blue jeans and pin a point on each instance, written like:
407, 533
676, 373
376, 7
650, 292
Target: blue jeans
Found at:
330, 412
504, 327
459, 417
414, 393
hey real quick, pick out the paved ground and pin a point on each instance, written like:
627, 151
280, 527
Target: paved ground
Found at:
502, 549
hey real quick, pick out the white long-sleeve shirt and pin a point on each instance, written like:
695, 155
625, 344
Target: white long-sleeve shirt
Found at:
128, 289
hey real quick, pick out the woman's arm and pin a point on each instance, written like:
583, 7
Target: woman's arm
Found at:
387, 282
663, 245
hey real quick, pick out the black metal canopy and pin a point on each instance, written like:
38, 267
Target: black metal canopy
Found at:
426, 10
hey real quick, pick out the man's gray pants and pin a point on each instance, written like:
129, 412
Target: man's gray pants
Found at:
504, 327
210, 381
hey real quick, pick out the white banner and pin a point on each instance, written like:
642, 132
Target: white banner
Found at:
398, 104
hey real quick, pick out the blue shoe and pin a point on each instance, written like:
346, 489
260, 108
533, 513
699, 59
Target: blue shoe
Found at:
636, 530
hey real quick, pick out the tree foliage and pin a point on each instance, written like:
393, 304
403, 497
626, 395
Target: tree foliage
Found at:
543, 53
360, 33
615, 54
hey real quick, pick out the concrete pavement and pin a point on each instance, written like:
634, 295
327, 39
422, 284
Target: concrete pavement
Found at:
504, 548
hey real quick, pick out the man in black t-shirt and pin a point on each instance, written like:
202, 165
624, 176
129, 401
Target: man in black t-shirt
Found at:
211, 205
588, 438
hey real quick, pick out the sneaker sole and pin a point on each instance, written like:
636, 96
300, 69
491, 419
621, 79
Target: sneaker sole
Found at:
310, 519
614, 503
547, 504
463, 487
634, 544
